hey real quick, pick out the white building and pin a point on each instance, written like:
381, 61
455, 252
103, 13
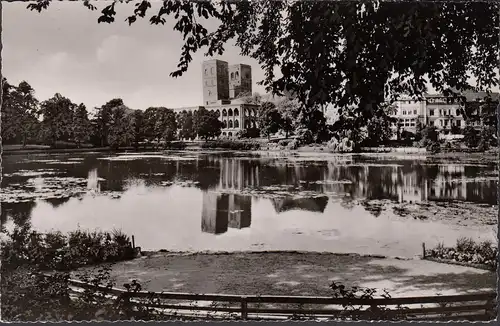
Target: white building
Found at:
434, 110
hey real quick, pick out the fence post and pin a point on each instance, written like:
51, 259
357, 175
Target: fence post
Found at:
244, 312
423, 250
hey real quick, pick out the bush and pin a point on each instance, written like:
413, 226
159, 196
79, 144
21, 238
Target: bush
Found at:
175, 145
232, 145
56, 251
304, 136
343, 146
468, 251
284, 142
433, 147
293, 145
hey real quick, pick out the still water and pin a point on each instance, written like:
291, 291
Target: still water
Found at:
220, 201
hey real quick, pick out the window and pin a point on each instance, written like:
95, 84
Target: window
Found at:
217, 112
212, 70
224, 113
230, 112
230, 123
414, 111
206, 72
431, 112
236, 124
404, 112
236, 112
440, 112
232, 75
237, 74
224, 123
457, 112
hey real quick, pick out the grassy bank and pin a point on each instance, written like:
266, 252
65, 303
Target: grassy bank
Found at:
297, 273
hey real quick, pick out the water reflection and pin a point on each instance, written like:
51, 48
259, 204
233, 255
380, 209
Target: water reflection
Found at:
317, 204
223, 211
229, 184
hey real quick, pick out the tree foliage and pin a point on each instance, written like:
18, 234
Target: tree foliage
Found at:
20, 110
269, 119
289, 110
120, 131
186, 126
80, 125
104, 120
166, 124
137, 122
57, 113
206, 124
350, 53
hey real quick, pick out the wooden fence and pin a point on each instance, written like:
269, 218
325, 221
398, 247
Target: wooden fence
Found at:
475, 307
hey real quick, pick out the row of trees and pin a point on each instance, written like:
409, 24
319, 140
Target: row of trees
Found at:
58, 119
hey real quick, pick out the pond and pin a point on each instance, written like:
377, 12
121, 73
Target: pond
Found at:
204, 201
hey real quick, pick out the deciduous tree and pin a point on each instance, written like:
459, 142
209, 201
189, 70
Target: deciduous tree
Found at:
81, 128
207, 124
57, 115
269, 119
166, 124
185, 122
137, 122
120, 129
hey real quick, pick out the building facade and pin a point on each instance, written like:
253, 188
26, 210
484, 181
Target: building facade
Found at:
240, 80
221, 85
215, 81
436, 110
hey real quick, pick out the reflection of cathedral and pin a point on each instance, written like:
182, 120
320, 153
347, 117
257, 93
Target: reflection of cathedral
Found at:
236, 176
221, 211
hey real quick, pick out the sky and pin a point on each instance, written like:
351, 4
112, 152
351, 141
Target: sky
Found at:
64, 50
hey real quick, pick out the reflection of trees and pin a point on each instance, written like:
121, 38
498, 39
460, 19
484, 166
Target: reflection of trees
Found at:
20, 213
317, 204
221, 211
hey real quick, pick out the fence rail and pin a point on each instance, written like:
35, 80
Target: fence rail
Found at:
451, 307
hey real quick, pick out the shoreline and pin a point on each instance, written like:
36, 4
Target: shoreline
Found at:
177, 253
492, 155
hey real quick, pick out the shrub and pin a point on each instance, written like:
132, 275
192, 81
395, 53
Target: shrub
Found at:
56, 251
284, 142
293, 145
232, 145
468, 251
433, 147
175, 145
465, 244
343, 146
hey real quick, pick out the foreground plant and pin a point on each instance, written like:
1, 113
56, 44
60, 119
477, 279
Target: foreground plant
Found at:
467, 250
